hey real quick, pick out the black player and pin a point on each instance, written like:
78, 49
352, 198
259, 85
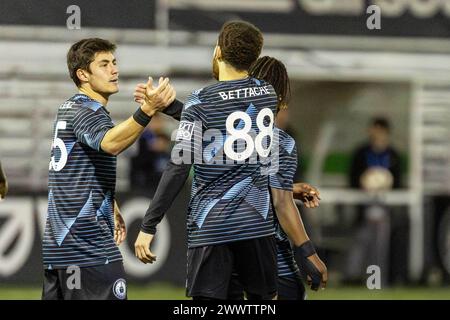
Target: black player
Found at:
290, 285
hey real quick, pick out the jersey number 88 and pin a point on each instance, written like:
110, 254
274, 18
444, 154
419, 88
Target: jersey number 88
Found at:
243, 134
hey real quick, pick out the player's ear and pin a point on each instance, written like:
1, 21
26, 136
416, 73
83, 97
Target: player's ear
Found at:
83, 75
219, 53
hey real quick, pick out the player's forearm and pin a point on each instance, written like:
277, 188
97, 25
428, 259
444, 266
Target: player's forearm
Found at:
170, 185
121, 136
289, 216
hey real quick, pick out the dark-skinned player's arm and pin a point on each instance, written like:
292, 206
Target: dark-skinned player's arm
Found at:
282, 187
292, 224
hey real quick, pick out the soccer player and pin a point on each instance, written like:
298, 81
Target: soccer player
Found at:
218, 227
84, 226
229, 221
3, 183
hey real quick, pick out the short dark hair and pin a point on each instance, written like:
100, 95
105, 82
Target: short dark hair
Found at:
274, 72
241, 44
82, 53
380, 122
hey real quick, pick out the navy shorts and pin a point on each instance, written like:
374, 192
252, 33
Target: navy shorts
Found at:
210, 269
105, 282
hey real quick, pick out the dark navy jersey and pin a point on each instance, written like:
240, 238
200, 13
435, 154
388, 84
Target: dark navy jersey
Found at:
283, 179
225, 130
80, 223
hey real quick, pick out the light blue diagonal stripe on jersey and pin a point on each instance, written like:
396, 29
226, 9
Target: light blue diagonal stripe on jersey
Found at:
91, 139
192, 100
238, 189
274, 181
86, 211
194, 188
208, 156
288, 144
93, 105
69, 147
106, 210
259, 199
60, 226
252, 112
206, 205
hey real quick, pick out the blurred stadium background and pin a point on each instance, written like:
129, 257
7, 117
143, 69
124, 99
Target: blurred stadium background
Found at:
343, 74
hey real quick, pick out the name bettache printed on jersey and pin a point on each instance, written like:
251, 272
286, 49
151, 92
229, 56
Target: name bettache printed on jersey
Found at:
244, 93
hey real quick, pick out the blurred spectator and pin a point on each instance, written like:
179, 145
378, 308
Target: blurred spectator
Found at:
375, 168
151, 159
376, 159
3, 183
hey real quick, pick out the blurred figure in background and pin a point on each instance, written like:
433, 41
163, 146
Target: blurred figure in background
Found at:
376, 159
151, 159
375, 168
3, 183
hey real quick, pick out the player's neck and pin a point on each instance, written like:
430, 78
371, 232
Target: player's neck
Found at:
228, 73
94, 95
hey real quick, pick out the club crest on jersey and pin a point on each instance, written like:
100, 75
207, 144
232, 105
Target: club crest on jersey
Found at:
120, 289
67, 105
185, 130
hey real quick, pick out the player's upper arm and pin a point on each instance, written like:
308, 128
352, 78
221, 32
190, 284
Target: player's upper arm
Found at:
90, 126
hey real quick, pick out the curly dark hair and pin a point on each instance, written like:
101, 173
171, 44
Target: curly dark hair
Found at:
274, 72
240, 43
82, 53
